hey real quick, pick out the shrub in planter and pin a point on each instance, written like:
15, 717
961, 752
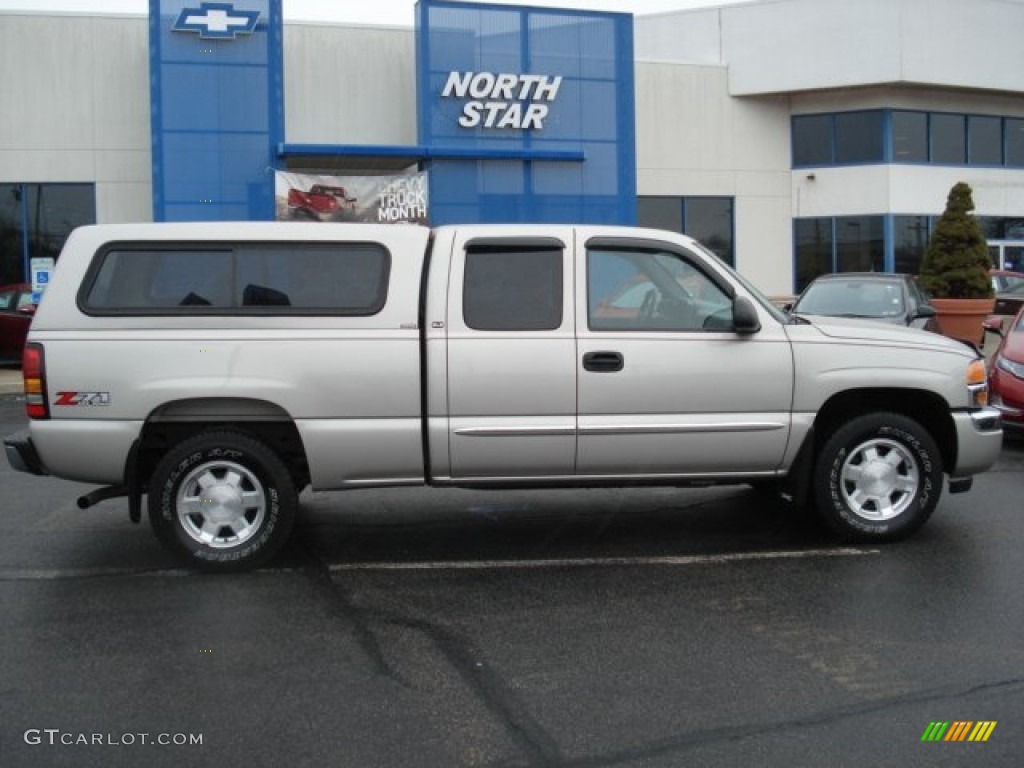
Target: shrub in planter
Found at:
955, 269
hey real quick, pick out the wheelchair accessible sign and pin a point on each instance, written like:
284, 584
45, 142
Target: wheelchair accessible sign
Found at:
42, 269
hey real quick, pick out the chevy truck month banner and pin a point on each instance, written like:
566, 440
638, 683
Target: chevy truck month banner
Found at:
367, 199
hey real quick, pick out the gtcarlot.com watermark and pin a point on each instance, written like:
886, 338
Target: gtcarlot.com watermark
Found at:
56, 737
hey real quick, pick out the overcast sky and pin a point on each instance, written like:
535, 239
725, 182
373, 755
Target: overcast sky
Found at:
361, 11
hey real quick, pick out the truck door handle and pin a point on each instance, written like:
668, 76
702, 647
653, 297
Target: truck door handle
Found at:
603, 362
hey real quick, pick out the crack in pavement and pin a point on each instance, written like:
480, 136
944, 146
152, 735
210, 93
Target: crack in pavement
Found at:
498, 699
708, 736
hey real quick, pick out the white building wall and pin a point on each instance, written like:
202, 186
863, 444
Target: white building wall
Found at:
692, 37
349, 85
75, 96
783, 46
694, 139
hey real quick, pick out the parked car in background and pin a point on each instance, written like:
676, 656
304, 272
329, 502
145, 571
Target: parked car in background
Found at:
1009, 302
1006, 371
885, 296
1005, 280
16, 311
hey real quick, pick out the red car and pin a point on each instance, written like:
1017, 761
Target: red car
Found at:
1004, 280
1006, 374
16, 310
320, 202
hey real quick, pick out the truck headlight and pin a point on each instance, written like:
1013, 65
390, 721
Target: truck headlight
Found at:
977, 383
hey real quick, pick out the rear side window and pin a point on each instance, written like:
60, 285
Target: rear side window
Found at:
249, 278
513, 289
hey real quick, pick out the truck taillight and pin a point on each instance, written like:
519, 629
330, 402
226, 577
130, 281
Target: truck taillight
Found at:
34, 373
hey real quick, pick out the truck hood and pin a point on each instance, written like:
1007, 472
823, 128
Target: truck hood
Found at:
875, 330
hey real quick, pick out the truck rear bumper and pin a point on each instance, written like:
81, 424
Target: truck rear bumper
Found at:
22, 455
979, 436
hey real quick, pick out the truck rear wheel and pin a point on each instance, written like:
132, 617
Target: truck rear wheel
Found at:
878, 478
222, 501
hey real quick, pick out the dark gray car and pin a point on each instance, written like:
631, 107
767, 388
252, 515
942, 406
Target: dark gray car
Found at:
885, 296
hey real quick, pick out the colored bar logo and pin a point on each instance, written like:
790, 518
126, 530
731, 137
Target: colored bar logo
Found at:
959, 730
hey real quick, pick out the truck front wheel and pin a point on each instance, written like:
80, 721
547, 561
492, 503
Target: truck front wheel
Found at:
878, 478
223, 501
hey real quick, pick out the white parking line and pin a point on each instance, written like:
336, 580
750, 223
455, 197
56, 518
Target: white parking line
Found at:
601, 562
51, 574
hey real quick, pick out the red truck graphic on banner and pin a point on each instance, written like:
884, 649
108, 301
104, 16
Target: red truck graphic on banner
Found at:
321, 202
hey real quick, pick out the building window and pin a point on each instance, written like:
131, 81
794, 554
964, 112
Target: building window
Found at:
843, 244
813, 250
851, 138
660, 213
984, 140
12, 235
812, 140
1015, 143
860, 244
948, 139
36, 219
859, 137
710, 220
909, 137
910, 239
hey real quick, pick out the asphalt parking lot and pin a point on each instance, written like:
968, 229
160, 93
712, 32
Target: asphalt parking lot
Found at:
653, 627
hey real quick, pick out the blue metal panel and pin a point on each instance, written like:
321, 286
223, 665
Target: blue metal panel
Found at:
589, 112
889, 242
419, 152
217, 108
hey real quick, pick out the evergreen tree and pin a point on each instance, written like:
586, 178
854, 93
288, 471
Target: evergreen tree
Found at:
956, 263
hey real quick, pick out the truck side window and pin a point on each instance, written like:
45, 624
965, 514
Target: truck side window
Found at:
513, 289
138, 280
346, 276
240, 278
652, 290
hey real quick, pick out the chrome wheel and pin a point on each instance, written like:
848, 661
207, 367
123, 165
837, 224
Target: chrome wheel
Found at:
879, 479
221, 504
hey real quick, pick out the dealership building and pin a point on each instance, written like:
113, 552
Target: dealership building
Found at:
792, 137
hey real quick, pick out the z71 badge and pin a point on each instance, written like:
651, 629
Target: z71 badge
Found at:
82, 398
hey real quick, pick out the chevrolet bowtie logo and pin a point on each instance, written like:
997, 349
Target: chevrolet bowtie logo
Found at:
216, 20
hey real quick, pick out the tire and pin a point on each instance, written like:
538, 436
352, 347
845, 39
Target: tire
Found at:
878, 478
222, 501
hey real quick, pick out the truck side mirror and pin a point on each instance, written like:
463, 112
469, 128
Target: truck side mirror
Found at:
744, 316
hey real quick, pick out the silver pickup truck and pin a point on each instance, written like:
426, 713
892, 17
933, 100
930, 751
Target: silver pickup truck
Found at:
218, 369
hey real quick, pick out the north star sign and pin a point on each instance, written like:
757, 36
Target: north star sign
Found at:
216, 20
502, 100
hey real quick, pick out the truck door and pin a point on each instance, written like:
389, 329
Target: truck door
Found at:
511, 357
666, 388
